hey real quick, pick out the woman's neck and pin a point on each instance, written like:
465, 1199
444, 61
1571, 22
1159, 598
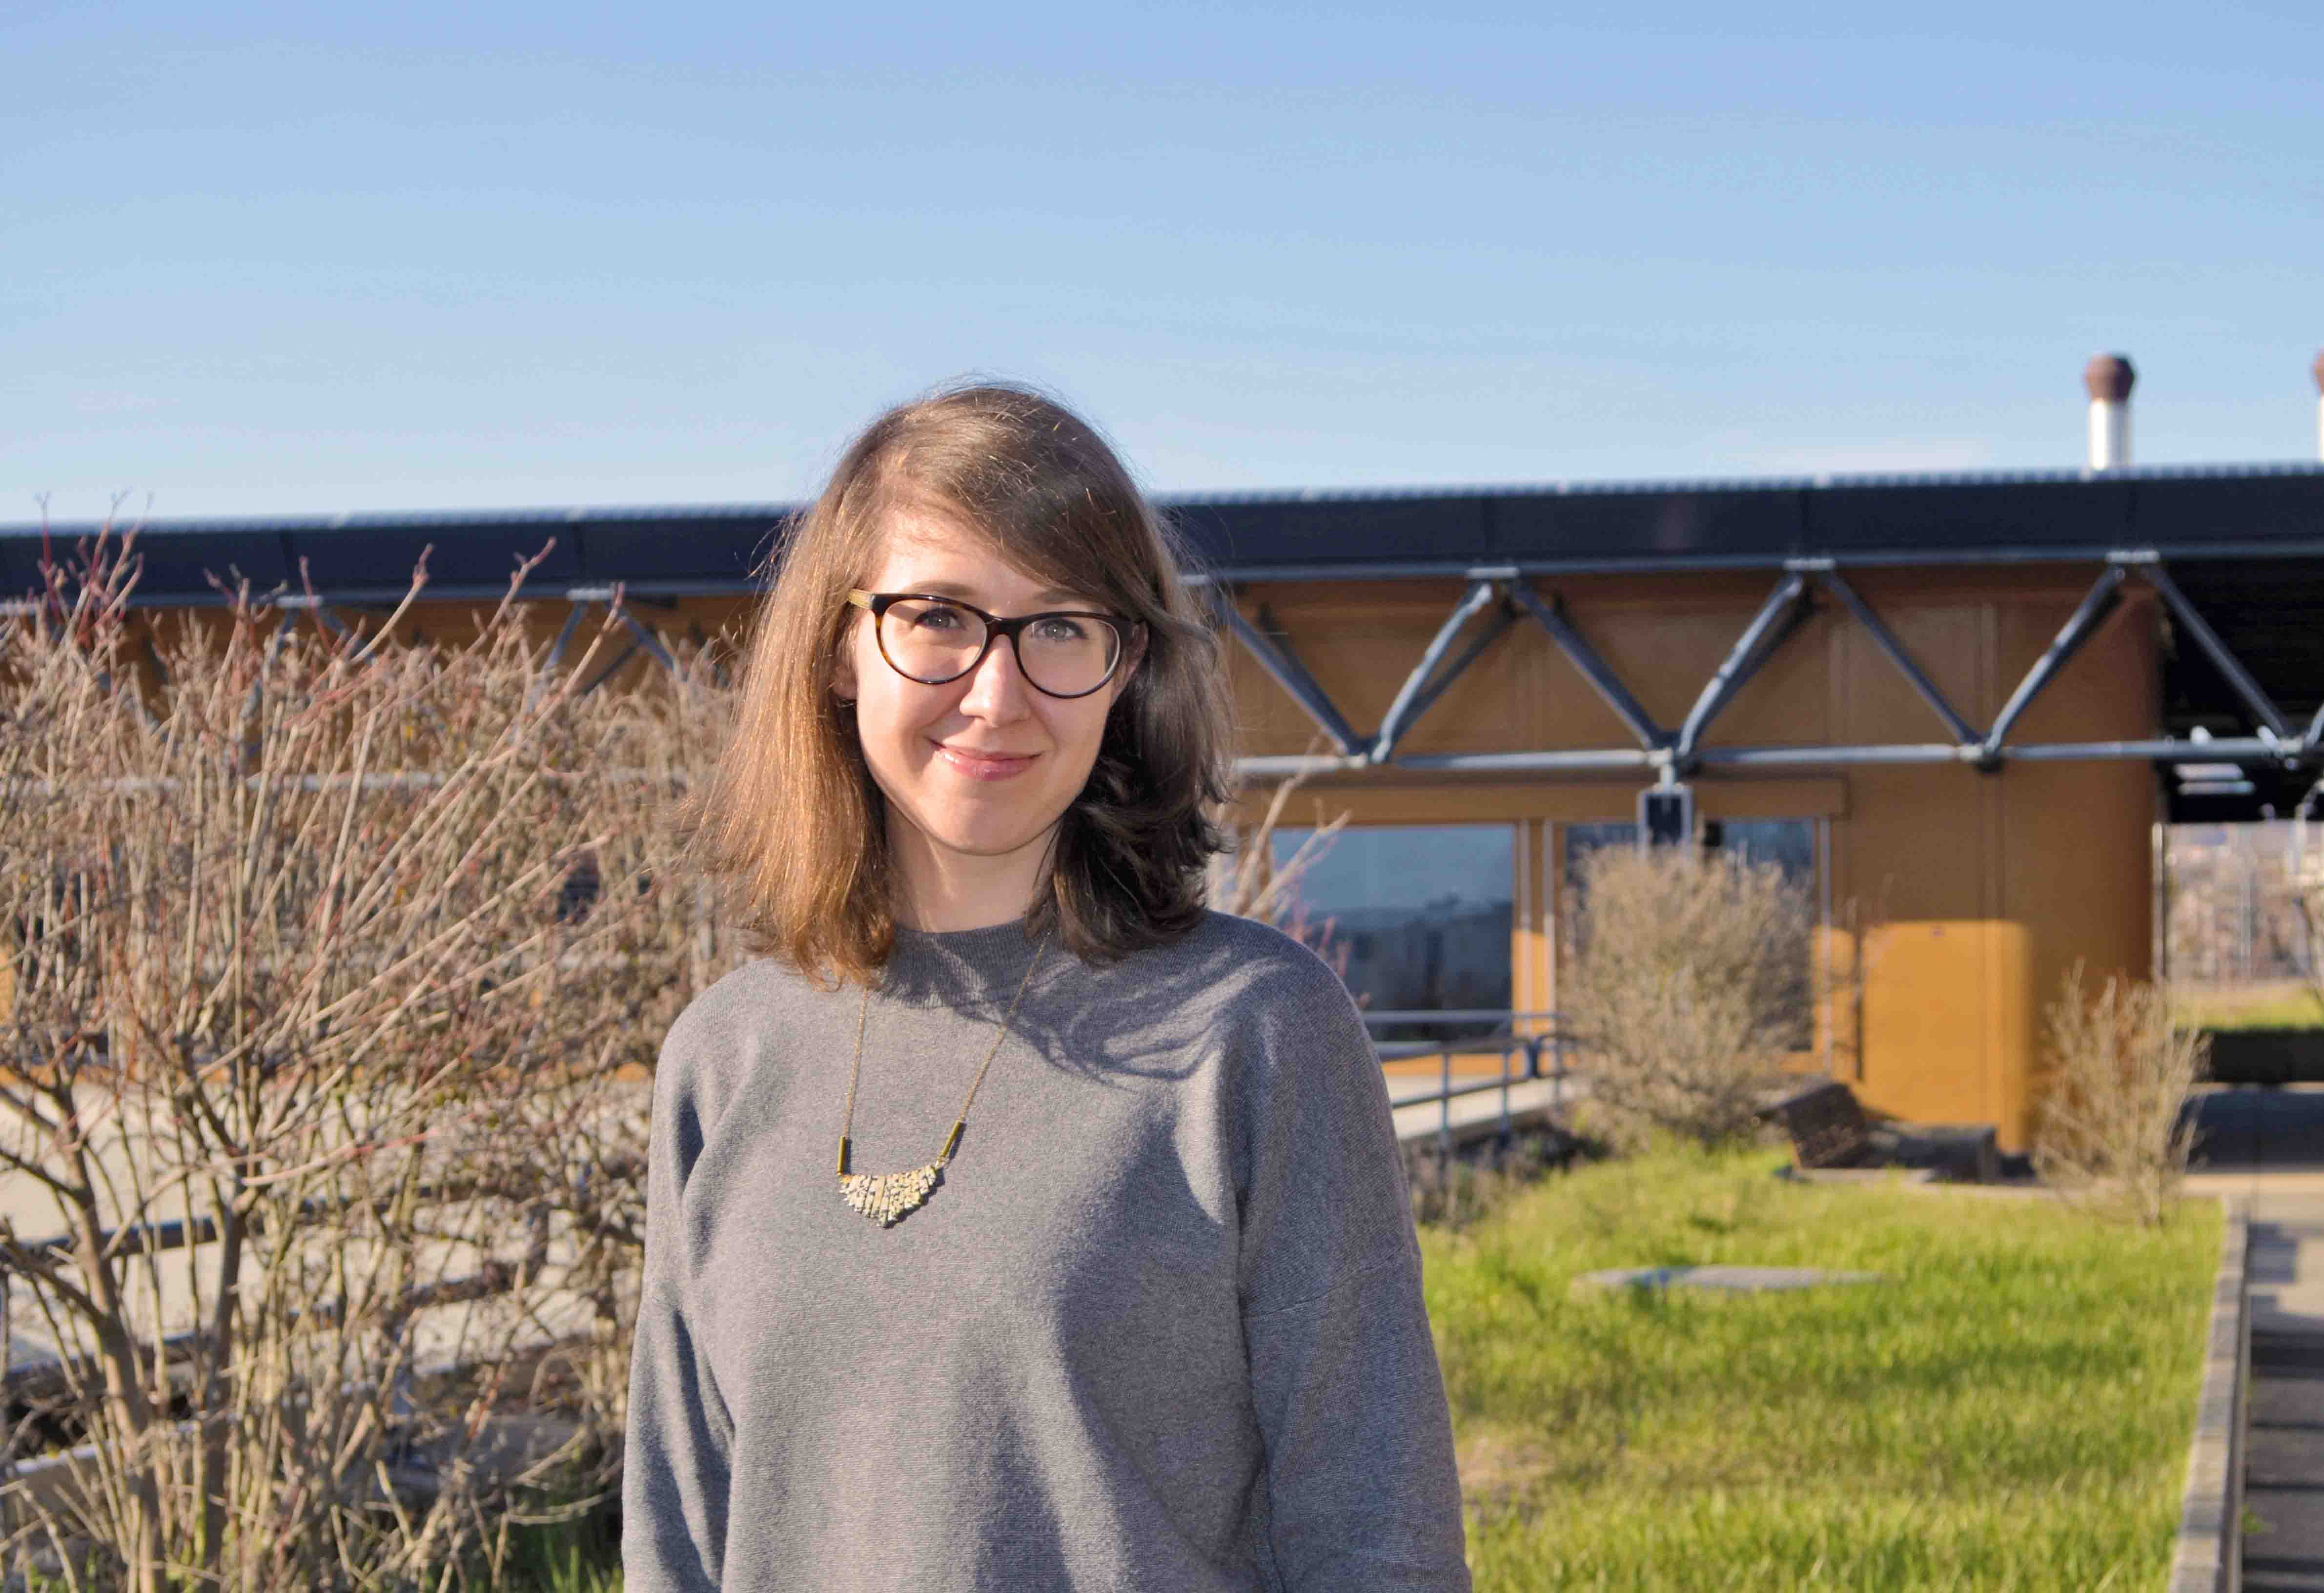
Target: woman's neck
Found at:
940, 889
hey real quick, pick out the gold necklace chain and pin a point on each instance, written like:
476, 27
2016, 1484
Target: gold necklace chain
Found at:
884, 1197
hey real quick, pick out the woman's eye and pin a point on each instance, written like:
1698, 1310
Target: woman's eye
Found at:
1061, 629
935, 618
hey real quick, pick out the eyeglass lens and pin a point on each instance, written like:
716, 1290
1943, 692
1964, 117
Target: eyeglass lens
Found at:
933, 641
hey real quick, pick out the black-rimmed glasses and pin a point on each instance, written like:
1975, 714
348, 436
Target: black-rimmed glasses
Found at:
1061, 652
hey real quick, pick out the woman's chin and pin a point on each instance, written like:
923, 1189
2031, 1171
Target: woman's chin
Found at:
977, 842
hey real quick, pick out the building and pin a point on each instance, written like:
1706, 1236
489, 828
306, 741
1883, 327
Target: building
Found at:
1963, 703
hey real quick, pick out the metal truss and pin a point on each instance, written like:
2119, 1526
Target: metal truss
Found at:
1504, 596
581, 598
1669, 754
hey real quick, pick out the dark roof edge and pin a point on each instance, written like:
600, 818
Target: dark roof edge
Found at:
1836, 481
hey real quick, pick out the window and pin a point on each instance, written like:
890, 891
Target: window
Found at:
1788, 844
1582, 840
1417, 917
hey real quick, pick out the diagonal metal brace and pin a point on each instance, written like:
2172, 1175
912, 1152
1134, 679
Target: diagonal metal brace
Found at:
1777, 618
564, 637
557, 652
1291, 675
611, 670
316, 605
1594, 669
1503, 618
1885, 639
2237, 677
649, 640
2104, 595
1424, 685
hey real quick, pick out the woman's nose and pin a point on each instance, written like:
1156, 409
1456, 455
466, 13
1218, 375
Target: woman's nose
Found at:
997, 687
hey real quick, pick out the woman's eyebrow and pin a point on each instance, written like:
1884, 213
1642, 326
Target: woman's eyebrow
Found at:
1053, 597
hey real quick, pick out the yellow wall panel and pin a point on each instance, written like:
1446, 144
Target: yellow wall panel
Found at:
1945, 1024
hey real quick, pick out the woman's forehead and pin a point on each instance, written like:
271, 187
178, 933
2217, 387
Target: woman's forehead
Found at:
928, 551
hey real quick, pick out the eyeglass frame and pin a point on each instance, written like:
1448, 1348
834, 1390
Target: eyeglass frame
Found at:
877, 604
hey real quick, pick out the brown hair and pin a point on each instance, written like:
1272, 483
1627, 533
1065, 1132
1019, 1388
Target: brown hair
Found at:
790, 816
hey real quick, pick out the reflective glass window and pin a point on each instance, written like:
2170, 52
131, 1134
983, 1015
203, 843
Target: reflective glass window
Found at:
1416, 916
1788, 844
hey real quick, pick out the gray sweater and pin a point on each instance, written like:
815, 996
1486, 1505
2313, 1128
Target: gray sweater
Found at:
1159, 1326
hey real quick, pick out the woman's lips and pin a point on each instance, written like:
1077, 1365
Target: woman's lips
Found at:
985, 766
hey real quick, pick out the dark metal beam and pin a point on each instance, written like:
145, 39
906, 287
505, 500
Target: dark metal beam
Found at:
152, 657
565, 636
607, 673
1291, 675
1495, 629
315, 604
1776, 619
2221, 749
2242, 750
2100, 600
1885, 639
1422, 686
1585, 760
2229, 666
650, 641
1582, 657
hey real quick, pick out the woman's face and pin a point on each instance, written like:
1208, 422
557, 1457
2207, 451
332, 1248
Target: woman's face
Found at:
984, 765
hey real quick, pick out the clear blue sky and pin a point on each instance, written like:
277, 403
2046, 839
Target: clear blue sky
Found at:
282, 259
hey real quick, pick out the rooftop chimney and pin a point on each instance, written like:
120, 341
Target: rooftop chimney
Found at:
2108, 377
2317, 371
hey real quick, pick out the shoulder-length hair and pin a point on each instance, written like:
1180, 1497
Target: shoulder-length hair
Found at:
790, 819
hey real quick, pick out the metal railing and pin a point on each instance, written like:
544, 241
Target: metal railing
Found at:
26, 1380
1543, 1056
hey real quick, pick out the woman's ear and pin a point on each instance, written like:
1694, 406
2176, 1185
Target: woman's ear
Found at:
843, 668
1136, 656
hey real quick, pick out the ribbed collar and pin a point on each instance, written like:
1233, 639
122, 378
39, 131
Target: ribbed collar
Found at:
969, 967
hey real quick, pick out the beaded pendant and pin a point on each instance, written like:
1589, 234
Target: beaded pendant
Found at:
884, 1197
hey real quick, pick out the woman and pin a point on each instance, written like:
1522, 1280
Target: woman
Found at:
1013, 1222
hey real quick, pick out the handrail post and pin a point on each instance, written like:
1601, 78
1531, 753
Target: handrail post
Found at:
1445, 1112
1506, 1133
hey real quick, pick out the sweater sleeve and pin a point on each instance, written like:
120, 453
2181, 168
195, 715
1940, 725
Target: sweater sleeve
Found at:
1360, 1488
679, 1443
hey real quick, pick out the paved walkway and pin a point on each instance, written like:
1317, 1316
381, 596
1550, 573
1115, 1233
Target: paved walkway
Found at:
2267, 1145
1471, 1115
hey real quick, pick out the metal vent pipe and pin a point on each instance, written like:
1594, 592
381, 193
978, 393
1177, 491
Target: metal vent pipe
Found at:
2317, 370
2108, 377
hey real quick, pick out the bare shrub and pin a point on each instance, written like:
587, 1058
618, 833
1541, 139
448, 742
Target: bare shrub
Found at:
1459, 1191
2111, 1130
1687, 982
327, 950
1250, 883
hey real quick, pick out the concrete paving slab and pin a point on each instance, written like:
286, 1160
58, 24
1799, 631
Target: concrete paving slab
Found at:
2266, 1147
1721, 1280
1471, 1115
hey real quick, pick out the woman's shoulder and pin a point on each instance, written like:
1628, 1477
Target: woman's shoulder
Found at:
716, 1026
1252, 938
1247, 967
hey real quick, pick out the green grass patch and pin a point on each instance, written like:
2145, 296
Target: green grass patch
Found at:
2268, 1004
582, 1556
2011, 1409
